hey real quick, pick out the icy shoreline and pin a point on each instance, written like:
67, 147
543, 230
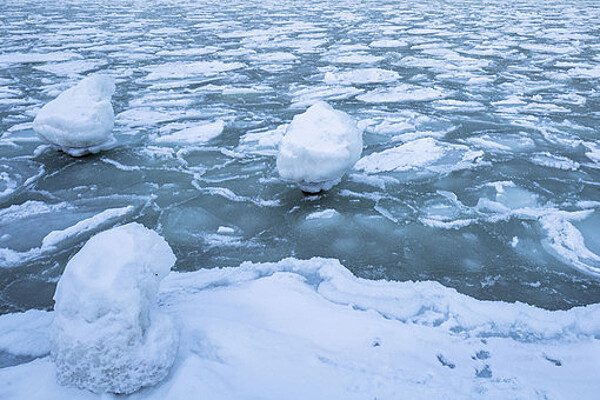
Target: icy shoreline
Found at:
310, 330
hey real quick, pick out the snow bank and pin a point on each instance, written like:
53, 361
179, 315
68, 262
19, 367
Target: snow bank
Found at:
318, 148
80, 120
107, 335
311, 330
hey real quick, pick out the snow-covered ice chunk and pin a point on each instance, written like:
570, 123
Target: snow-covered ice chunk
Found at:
195, 134
320, 145
80, 120
107, 334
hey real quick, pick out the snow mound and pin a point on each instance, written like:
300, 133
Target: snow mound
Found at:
318, 148
80, 120
107, 334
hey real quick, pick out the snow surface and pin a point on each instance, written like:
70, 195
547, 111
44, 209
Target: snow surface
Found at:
80, 120
319, 146
311, 330
107, 334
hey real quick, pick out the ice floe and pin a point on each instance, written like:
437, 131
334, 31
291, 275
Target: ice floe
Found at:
402, 93
193, 135
80, 120
420, 154
190, 69
361, 76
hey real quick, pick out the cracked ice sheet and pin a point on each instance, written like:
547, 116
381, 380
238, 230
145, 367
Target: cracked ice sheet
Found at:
332, 335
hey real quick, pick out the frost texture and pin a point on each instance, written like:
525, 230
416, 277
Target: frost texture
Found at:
107, 334
80, 120
318, 148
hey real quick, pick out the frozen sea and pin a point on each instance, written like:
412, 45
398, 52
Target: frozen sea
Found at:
479, 180
481, 166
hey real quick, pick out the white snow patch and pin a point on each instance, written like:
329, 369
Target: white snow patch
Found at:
190, 69
10, 257
107, 333
194, 135
402, 93
318, 148
80, 120
361, 76
405, 157
31, 58
391, 338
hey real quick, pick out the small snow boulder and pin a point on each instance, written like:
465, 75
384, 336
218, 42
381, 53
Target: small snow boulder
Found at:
318, 148
80, 120
108, 334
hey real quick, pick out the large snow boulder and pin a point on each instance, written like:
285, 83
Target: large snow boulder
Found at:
318, 148
107, 333
80, 120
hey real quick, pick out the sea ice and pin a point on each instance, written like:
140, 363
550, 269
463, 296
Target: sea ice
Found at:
361, 76
107, 334
318, 148
402, 93
80, 120
418, 153
194, 135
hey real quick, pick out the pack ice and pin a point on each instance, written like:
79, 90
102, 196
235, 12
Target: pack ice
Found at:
80, 120
318, 148
107, 334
